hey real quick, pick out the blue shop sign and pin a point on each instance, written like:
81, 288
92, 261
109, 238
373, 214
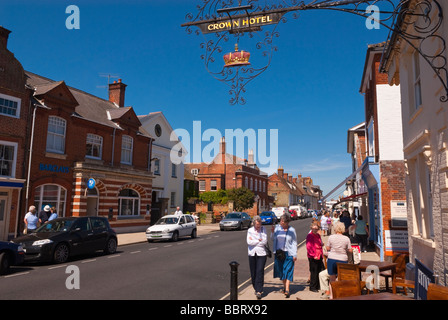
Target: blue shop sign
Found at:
53, 168
91, 183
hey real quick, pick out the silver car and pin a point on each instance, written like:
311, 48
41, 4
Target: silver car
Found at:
235, 220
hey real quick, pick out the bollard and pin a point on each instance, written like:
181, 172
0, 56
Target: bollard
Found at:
234, 280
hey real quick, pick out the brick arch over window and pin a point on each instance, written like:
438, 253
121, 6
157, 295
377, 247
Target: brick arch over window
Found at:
101, 187
141, 191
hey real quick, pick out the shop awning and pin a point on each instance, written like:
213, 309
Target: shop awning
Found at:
343, 182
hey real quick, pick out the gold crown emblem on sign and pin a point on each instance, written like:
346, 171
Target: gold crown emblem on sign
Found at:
237, 58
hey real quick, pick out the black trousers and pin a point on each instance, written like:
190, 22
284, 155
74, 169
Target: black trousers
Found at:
256, 265
316, 266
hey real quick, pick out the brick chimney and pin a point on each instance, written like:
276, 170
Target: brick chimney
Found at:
116, 92
4, 35
222, 150
280, 172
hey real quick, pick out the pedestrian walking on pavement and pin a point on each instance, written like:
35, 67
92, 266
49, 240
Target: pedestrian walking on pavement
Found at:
285, 248
323, 224
338, 245
257, 240
314, 248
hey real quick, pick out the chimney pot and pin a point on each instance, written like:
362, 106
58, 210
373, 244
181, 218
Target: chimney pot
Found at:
116, 93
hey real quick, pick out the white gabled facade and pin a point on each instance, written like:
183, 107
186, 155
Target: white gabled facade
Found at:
168, 184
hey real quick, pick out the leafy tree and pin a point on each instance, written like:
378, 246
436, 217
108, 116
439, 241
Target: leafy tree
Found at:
218, 197
242, 198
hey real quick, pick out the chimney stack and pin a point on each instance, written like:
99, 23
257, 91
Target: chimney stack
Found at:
116, 92
280, 171
251, 157
4, 35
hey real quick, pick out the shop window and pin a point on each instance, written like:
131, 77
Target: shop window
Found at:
53, 195
128, 203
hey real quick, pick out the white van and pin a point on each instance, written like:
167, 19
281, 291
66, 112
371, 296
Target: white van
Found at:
279, 211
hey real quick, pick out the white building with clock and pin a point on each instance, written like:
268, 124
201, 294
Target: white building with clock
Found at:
168, 184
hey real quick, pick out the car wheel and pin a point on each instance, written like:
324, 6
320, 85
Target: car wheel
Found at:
111, 246
4, 263
193, 234
175, 236
61, 253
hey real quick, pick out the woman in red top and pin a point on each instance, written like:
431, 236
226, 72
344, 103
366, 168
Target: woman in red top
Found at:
314, 250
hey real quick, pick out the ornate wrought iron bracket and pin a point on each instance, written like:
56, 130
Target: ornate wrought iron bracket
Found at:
414, 21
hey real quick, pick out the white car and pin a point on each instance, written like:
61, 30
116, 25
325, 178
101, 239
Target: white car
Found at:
279, 211
172, 227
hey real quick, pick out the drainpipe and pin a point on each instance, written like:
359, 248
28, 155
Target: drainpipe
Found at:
113, 146
31, 152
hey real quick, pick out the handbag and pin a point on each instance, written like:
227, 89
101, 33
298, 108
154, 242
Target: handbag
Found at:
268, 250
279, 253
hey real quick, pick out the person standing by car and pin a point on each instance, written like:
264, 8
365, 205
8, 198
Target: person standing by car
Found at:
257, 240
178, 212
44, 215
53, 214
31, 220
285, 248
314, 248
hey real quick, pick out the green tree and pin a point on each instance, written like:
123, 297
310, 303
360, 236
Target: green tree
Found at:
242, 198
217, 197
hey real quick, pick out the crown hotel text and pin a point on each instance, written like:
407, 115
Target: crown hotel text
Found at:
240, 23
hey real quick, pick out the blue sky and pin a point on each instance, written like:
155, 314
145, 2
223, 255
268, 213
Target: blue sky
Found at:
310, 92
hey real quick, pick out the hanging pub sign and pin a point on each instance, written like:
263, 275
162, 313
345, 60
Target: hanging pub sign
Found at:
240, 23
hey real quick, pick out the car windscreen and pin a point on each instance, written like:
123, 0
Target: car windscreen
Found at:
56, 226
168, 220
233, 216
266, 214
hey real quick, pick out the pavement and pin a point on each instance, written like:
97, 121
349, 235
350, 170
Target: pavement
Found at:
299, 288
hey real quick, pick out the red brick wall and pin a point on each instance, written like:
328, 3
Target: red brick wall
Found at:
392, 188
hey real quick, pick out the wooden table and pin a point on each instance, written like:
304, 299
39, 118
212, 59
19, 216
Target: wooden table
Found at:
382, 266
377, 296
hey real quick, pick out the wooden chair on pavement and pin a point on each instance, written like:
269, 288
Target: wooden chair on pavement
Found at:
437, 292
348, 271
345, 288
400, 260
399, 279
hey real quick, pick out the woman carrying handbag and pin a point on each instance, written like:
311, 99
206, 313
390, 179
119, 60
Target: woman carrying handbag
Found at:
285, 248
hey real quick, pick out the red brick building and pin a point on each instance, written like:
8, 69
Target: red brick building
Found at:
14, 138
87, 156
284, 189
227, 171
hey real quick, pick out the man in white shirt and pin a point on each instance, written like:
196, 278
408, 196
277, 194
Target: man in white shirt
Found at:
178, 212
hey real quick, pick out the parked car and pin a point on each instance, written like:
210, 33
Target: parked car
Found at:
171, 227
299, 212
279, 211
268, 217
11, 254
235, 220
59, 239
